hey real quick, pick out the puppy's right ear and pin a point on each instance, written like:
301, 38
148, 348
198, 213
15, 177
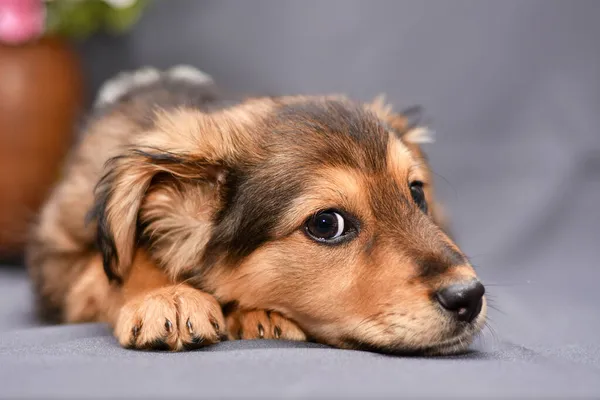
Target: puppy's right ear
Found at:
410, 125
184, 144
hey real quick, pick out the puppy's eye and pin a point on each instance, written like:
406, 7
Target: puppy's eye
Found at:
418, 195
329, 226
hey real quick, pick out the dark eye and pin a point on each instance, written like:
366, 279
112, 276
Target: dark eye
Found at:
418, 195
329, 226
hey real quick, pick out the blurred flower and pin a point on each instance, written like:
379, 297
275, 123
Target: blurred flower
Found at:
121, 3
25, 20
21, 20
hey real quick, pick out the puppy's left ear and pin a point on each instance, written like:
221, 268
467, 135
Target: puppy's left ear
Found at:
124, 188
183, 146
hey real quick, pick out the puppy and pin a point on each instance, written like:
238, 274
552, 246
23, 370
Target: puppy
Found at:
184, 218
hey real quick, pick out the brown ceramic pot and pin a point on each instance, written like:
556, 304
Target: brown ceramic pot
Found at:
40, 101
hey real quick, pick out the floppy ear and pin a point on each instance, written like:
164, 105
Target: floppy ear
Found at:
184, 145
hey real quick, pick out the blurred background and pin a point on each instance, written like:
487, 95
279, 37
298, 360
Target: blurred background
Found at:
512, 88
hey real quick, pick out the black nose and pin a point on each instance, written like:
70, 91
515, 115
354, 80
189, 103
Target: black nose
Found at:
463, 299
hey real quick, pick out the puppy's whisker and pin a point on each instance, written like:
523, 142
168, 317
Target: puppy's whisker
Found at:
501, 284
488, 326
454, 191
496, 309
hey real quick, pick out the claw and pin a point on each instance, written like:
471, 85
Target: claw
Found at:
261, 331
135, 331
189, 326
168, 326
215, 326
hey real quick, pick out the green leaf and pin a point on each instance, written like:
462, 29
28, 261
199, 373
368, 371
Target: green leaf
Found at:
119, 20
82, 18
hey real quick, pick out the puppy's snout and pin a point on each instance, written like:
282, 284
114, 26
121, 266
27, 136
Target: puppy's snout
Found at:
464, 300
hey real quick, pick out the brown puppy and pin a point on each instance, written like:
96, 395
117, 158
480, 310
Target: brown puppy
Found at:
183, 218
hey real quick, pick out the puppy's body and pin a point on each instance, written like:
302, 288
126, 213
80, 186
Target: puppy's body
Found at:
63, 248
176, 201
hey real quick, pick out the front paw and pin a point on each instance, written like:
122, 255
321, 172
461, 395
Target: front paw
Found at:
262, 324
172, 318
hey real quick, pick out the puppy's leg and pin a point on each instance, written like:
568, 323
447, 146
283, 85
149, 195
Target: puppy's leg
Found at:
157, 314
262, 324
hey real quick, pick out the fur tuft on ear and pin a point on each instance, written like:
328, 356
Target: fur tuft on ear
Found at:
419, 135
408, 123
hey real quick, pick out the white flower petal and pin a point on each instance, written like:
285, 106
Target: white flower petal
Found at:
121, 3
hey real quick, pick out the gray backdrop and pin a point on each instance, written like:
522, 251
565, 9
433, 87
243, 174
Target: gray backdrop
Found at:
513, 89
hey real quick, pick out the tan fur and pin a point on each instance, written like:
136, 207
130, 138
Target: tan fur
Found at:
185, 210
155, 312
329, 187
260, 324
399, 123
89, 294
158, 180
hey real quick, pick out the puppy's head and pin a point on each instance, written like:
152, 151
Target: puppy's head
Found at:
319, 208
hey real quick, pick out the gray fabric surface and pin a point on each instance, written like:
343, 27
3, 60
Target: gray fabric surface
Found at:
514, 90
